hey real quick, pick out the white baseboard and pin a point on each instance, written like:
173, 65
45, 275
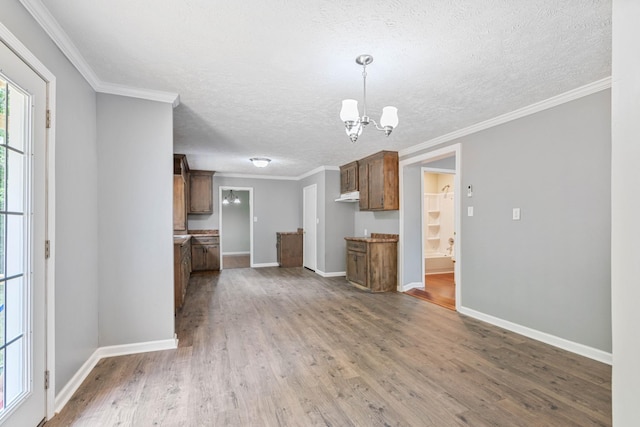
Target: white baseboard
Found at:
236, 253
101, 352
332, 274
265, 264
411, 285
581, 349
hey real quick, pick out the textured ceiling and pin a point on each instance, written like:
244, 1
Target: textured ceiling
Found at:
266, 78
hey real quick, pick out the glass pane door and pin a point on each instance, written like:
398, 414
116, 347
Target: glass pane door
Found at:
14, 274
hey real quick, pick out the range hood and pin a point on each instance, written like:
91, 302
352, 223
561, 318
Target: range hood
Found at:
353, 196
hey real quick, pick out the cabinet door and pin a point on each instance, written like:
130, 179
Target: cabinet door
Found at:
376, 183
363, 185
212, 257
349, 177
200, 192
198, 258
357, 267
179, 204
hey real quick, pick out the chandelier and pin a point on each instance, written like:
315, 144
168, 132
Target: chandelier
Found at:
231, 198
353, 122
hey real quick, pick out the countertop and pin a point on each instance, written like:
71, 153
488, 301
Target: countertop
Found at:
289, 232
375, 238
181, 239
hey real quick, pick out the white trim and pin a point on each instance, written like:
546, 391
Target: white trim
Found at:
410, 286
314, 225
237, 253
571, 95
101, 352
250, 190
49, 24
455, 149
332, 274
29, 58
265, 264
583, 350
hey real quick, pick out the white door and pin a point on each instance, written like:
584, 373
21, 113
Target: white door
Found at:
309, 223
22, 237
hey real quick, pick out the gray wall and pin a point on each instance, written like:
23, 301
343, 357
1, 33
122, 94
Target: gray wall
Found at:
135, 176
275, 204
236, 224
336, 221
376, 222
551, 270
76, 226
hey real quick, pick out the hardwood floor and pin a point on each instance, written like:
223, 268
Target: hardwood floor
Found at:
439, 289
286, 347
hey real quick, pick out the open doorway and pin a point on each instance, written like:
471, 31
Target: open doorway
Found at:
438, 229
236, 227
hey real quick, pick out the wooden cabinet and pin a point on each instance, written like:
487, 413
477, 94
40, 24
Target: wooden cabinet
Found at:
205, 253
200, 192
289, 249
180, 193
378, 182
349, 178
372, 263
181, 269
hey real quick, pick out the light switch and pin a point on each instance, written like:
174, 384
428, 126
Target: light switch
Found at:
470, 211
516, 214
255, 219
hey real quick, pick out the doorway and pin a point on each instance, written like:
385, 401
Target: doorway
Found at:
309, 225
236, 227
438, 239
23, 220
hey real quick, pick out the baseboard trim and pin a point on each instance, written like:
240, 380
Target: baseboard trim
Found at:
412, 285
74, 383
265, 264
236, 253
332, 273
574, 347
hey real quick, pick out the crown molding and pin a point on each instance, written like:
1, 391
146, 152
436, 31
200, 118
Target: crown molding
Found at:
316, 170
572, 95
49, 24
241, 175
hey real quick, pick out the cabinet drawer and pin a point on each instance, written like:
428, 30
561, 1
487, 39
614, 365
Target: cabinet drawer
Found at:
205, 240
356, 246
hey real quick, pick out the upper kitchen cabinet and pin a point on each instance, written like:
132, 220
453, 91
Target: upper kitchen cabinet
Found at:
378, 182
200, 192
349, 178
180, 193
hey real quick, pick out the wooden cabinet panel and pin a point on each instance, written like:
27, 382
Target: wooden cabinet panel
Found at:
179, 205
200, 192
378, 182
372, 264
349, 178
181, 270
205, 253
289, 249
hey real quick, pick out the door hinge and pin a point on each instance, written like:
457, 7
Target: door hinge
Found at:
48, 119
46, 380
47, 249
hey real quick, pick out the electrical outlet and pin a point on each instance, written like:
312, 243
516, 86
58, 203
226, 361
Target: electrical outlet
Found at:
516, 214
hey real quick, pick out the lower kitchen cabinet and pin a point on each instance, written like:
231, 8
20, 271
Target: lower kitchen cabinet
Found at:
205, 253
181, 269
372, 263
289, 249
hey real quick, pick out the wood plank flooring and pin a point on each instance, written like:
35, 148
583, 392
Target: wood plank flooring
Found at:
286, 347
236, 261
439, 289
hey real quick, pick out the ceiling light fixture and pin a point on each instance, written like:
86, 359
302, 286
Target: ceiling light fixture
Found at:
231, 198
260, 162
350, 115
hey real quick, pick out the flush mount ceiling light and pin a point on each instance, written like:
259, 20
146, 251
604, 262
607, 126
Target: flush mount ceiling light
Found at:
354, 124
231, 198
260, 162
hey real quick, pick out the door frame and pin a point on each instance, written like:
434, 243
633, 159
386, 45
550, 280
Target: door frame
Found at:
314, 225
221, 189
441, 153
50, 211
